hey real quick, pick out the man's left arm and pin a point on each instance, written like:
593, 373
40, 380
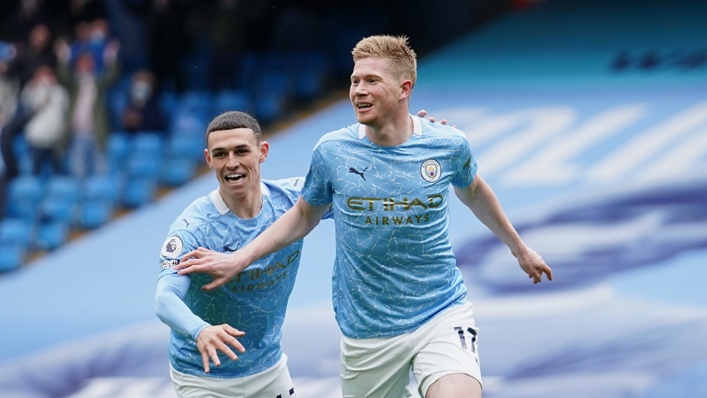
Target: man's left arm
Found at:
480, 198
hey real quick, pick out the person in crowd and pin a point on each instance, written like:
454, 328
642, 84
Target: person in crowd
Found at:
143, 111
36, 52
45, 132
88, 119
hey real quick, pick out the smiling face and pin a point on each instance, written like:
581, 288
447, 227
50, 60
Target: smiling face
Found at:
235, 156
377, 93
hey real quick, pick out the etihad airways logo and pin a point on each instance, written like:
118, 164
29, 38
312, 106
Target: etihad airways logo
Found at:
391, 204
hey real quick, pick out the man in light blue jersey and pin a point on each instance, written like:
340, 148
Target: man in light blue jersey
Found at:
399, 298
246, 314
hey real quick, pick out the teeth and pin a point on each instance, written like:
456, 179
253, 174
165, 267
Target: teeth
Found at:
363, 106
235, 177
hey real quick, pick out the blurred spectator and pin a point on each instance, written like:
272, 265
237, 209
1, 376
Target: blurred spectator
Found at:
88, 118
9, 87
48, 102
9, 91
91, 37
165, 22
143, 112
26, 15
36, 53
80, 11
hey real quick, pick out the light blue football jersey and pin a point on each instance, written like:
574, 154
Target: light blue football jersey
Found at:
394, 267
254, 302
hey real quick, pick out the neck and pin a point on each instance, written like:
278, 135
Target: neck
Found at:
246, 206
394, 132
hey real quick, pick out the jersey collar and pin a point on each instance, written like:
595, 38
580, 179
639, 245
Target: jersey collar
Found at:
221, 206
416, 127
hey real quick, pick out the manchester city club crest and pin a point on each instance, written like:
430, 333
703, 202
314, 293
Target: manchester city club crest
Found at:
431, 170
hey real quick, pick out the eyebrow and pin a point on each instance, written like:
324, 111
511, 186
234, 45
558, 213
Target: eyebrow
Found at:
218, 148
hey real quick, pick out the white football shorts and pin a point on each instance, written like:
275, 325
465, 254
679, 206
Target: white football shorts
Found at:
274, 382
380, 367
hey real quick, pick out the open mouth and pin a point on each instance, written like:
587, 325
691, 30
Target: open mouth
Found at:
363, 105
234, 178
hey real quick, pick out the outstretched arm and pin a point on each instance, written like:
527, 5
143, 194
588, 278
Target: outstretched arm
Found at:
480, 198
171, 309
294, 225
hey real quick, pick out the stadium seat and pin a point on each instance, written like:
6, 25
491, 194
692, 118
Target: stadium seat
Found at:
63, 188
145, 166
58, 209
16, 231
188, 123
138, 191
51, 234
117, 149
147, 143
190, 146
269, 106
230, 100
94, 213
61, 199
23, 196
197, 102
12, 256
102, 188
177, 170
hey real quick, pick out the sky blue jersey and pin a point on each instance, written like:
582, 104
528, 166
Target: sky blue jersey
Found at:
394, 266
254, 302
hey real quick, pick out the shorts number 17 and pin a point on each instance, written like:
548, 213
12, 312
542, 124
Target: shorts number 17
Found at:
462, 338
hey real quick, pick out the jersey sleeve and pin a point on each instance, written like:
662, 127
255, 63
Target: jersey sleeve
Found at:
170, 307
464, 164
293, 186
317, 190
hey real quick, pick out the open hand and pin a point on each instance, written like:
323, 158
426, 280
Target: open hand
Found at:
218, 338
221, 266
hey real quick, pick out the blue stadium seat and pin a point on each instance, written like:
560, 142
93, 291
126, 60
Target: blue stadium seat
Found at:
61, 199
12, 256
51, 234
178, 170
230, 100
102, 188
16, 231
57, 209
190, 146
63, 188
197, 102
188, 123
23, 196
144, 166
269, 106
147, 143
138, 191
275, 82
94, 213
117, 149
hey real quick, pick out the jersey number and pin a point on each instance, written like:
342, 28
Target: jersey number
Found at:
462, 338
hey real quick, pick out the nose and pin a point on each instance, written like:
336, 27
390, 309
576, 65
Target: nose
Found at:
233, 161
360, 89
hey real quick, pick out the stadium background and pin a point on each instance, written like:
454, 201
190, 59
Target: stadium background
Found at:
589, 119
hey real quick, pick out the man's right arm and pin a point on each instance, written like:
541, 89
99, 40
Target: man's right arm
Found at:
294, 225
171, 309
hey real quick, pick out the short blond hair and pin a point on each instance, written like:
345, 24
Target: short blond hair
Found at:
402, 58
